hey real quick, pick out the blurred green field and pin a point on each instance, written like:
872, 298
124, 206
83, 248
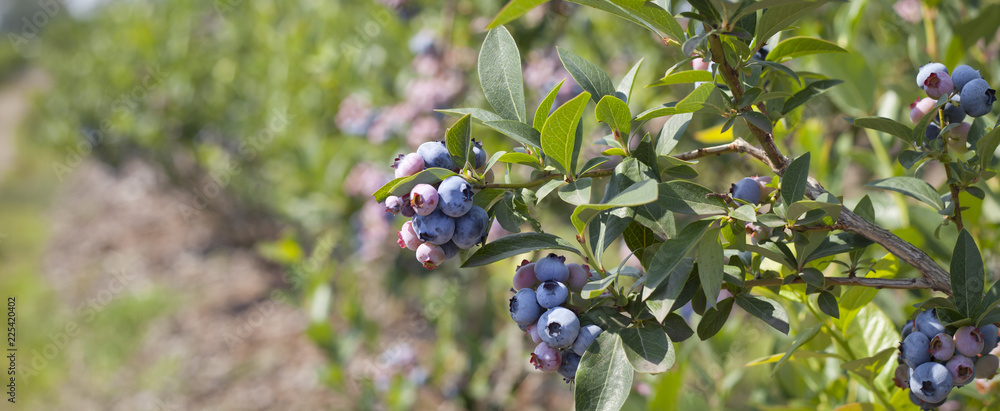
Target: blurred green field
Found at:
228, 149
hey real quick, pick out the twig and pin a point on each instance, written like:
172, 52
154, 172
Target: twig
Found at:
879, 283
737, 146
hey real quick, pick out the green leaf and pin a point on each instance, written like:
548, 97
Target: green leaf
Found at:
500, 75
967, 276
987, 146
624, 89
768, 310
812, 90
757, 119
775, 66
515, 244
793, 183
594, 289
402, 186
891, 127
520, 132
745, 212
686, 197
542, 112
605, 228
637, 194
478, 115
590, 77
673, 251
865, 209
992, 297
651, 13
714, 319
682, 77
559, 140
828, 304
513, 10
457, 140
615, 113
577, 192
778, 18
913, 187
710, 270
909, 158
677, 329
519, 158
838, 244
693, 102
604, 377
989, 317
486, 198
801, 46
511, 212
648, 348
799, 208
661, 300
671, 133
869, 367
799, 341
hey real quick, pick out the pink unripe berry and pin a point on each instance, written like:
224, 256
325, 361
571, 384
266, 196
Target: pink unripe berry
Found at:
962, 369
942, 347
938, 84
533, 333
525, 276
407, 209
902, 376
962, 130
969, 341
986, 366
920, 108
579, 275
431, 255
546, 358
408, 165
407, 237
700, 64
424, 199
393, 204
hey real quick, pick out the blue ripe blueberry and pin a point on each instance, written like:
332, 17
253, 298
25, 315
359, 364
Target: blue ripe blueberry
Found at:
450, 250
558, 327
978, 98
927, 69
747, 190
932, 131
915, 349
931, 382
963, 75
480, 154
990, 338
470, 229
455, 196
570, 362
953, 113
927, 323
435, 154
907, 329
924, 405
407, 209
524, 308
962, 370
435, 227
552, 267
587, 336
551, 294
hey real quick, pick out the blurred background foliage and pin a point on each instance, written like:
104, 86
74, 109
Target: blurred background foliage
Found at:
279, 118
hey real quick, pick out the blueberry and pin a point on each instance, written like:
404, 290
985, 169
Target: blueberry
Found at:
931, 382
586, 337
546, 358
408, 165
407, 209
450, 250
907, 329
558, 327
424, 199
915, 349
969, 341
986, 366
524, 308
524, 277
942, 347
938, 84
455, 195
978, 98
990, 338
552, 267
963, 75
953, 113
924, 405
927, 323
551, 294
927, 69
479, 153
431, 255
570, 362
407, 237
902, 376
579, 275
436, 227
470, 229
747, 190
393, 204
435, 154
532, 331
962, 370
932, 132
920, 108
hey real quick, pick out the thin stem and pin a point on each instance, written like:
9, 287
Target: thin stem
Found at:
738, 145
879, 283
542, 180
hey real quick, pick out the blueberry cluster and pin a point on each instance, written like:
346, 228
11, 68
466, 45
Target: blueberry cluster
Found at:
539, 307
933, 361
444, 218
751, 190
968, 94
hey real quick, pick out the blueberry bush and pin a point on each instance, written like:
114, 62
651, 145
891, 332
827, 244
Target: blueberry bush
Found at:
595, 183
